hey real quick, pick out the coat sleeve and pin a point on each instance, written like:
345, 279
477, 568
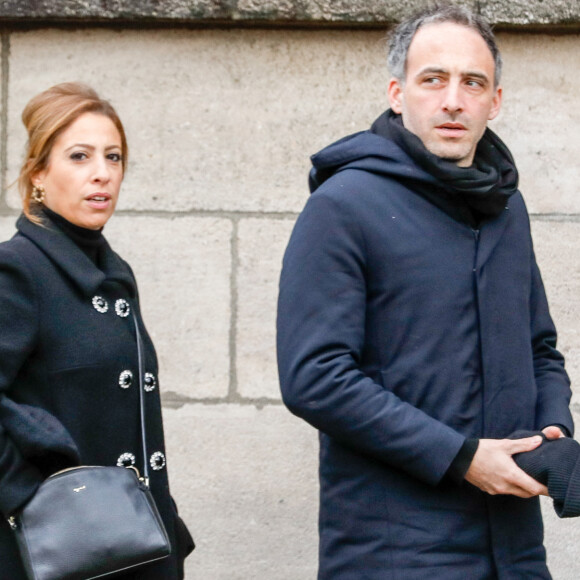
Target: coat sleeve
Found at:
320, 342
552, 382
18, 323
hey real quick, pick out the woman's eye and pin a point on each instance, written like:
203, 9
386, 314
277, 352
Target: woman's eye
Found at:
116, 157
78, 156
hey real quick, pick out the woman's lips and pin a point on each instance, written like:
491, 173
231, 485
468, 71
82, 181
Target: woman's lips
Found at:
99, 200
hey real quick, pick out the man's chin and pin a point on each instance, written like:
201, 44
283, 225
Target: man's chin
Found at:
461, 158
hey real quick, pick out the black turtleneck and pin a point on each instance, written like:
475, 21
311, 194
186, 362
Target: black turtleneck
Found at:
89, 241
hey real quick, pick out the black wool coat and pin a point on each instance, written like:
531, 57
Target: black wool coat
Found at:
68, 379
401, 333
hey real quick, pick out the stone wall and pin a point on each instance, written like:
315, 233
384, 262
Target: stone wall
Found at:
221, 122
515, 13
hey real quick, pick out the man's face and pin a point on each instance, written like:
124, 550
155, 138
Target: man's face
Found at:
448, 94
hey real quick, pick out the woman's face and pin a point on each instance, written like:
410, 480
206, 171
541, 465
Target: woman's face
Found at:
84, 172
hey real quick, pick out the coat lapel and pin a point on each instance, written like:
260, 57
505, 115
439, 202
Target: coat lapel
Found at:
72, 260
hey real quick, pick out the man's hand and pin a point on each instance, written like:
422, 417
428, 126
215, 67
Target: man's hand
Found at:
553, 432
494, 471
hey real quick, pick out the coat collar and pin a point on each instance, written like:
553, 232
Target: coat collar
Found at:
61, 250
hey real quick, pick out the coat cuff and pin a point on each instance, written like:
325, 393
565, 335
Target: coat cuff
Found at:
462, 461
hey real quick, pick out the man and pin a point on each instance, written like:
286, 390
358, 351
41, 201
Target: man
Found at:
413, 327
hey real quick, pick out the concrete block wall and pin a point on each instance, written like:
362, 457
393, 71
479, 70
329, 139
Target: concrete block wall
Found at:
221, 123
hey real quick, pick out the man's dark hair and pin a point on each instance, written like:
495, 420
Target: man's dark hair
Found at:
401, 37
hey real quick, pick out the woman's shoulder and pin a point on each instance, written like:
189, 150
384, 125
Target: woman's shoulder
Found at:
20, 261
18, 250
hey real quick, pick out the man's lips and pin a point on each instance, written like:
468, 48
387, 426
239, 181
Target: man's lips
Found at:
451, 129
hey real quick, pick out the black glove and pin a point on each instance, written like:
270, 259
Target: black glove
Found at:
555, 463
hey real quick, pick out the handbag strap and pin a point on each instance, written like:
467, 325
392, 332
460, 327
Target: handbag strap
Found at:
145, 477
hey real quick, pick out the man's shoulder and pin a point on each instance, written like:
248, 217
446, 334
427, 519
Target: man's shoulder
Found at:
517, 206
353, 184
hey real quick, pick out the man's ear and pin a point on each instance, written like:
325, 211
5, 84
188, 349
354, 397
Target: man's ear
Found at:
496, 104
395, 93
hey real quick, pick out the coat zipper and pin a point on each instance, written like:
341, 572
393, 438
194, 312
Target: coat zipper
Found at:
476, 236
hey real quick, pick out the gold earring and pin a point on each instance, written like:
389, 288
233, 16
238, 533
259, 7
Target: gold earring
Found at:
38, 193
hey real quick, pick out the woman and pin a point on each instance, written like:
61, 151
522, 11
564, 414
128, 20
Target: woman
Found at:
68, 356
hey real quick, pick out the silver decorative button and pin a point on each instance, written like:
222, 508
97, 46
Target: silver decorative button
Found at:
126, 460
125, 379
157, 461
150, 382
100, 304
122, 308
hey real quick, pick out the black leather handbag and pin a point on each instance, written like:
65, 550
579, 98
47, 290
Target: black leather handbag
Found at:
91, 521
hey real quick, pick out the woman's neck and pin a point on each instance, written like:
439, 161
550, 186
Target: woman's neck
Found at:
89, 241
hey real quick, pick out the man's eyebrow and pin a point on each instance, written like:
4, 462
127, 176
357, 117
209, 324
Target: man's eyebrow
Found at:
432, 69
476, 75
440, 70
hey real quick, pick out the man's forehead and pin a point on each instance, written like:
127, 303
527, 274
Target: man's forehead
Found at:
442, 34
448, 44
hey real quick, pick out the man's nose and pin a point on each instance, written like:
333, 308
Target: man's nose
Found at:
453, 98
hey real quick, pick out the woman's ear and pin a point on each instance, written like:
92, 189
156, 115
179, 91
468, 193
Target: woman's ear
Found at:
37, 177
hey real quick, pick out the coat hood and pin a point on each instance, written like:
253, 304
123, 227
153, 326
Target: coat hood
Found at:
368, 152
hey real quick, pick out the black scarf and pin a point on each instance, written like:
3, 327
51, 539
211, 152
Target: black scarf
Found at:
468, 194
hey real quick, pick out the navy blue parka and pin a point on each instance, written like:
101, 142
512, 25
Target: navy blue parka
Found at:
401, 332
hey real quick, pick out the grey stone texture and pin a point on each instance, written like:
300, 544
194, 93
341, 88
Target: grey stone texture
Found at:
540, 115
304, 12
221, 123
243, 105
182, 263
261, 246
246, 482
557, 247
564, 13
557, 244
7, 228
561, 543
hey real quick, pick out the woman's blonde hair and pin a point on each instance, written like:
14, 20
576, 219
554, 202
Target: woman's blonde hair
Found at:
45, 117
